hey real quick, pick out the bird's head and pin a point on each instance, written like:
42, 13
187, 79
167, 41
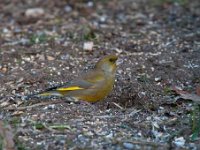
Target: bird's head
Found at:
107, 64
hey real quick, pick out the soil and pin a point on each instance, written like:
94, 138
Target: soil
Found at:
158, 43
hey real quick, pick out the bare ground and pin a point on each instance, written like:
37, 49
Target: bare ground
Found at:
159, 44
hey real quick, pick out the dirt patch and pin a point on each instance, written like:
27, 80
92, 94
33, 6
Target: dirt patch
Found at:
158, 42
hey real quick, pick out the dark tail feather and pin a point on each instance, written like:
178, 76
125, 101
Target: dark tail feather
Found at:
48, 92
44, 94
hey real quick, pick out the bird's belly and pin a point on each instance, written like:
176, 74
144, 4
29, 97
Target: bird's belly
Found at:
92, 95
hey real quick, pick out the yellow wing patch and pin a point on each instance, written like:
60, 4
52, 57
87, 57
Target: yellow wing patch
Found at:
72, 88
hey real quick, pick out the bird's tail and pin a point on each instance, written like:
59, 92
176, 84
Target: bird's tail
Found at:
44, 94
55, 91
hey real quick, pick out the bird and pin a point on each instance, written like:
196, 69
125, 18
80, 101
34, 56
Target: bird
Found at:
92, 86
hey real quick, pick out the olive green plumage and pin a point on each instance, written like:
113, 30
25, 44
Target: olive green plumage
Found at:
92, 86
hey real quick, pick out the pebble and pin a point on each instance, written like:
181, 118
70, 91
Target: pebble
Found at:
180, 142
157, 79
118, 50
50, 58
128, 145
88, 46
68, 8
90, 4
49, 107
1, 75
40, 57
34, 12
4, 69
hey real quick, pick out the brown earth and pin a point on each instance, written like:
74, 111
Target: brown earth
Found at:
159, 43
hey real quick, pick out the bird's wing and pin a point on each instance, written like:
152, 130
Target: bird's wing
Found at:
86, 82
94, 77
64, 88
74, 85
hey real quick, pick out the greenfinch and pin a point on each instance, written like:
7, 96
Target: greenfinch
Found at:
93, 86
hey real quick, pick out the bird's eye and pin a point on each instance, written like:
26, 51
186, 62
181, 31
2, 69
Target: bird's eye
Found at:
112, 59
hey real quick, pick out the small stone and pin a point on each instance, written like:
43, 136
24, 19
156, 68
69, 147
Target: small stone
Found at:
40, 57
179, 141
49, 107
4, 69
110, 135
140, 16
128, 145
152, 69
68, 8
88, 46
90, 4
157, 79
5, 30
65, 57
20, 80
103, 18
50, 58
28, 59
24, 41
1, 75
118, 50
34, 12
34, 117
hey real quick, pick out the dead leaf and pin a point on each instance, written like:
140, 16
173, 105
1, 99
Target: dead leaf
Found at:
187, 96
198, 90
195, 98
50, 58
4, 104
17, 113
6, 133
